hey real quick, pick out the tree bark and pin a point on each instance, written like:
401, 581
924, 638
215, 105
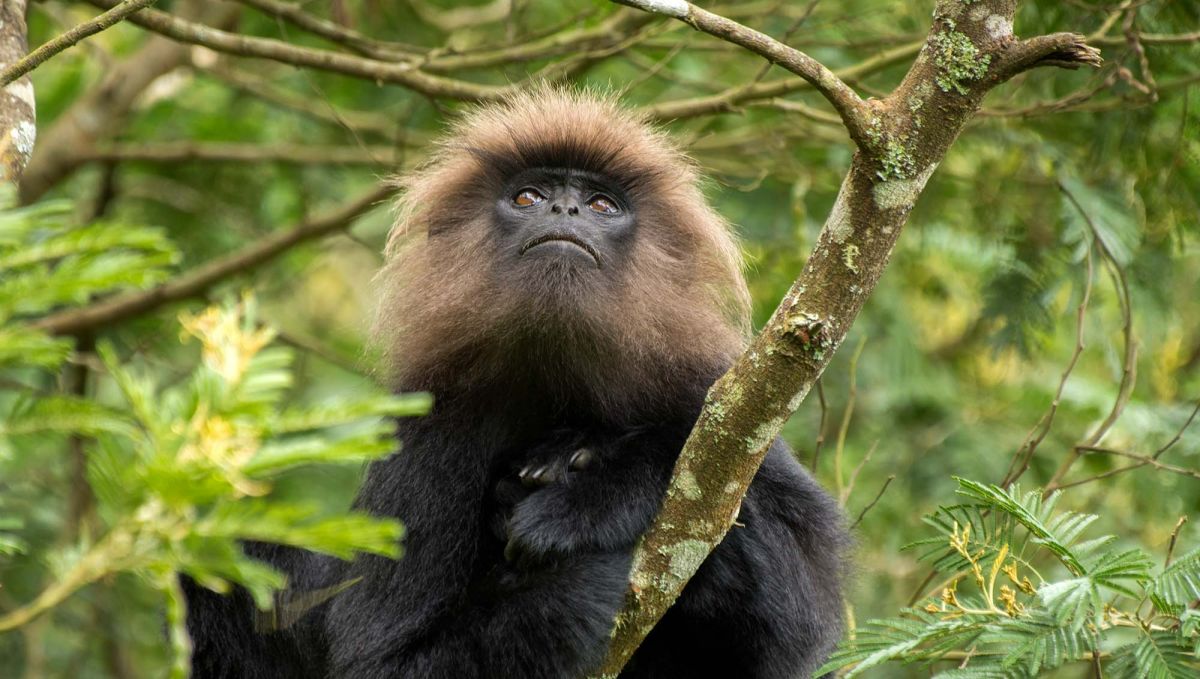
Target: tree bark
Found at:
18, 115
901, 140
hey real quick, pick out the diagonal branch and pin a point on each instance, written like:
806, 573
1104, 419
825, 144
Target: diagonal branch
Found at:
201, 279
970, 49
335, 33
730, 99
105, 108
72, 37
852, 109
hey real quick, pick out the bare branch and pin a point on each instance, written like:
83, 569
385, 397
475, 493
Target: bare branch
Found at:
201, 279
1061, 50
729, 100
339, 35
297, 154
861, 515
405, 74
605, 34
851, 108
103, 109
41, 54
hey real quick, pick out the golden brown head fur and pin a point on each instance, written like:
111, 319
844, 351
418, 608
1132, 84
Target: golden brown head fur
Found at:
452, 318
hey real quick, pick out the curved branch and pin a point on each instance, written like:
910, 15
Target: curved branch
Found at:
734, 97
204, 277
851, 108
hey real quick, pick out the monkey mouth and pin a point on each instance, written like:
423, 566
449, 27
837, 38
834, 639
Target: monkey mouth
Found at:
566, 238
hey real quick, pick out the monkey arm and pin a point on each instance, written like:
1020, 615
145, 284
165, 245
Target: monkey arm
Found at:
604, 508
551, 622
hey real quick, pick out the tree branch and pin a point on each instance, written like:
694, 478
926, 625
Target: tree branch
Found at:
105, 107
405, 74
732, 98
18, 120
902, 139
339, 35
232, 152
851, 108
1061, 50
201, 279
70, 38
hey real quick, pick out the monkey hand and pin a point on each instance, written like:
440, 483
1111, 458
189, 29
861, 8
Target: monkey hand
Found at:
546, 523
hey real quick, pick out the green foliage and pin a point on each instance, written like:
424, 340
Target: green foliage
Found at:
993, 621
967, 335
182, 469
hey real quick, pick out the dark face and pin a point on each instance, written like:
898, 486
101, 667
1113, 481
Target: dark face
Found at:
560, 216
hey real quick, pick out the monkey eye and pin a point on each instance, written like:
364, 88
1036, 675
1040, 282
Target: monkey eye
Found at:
527, 197
604, 205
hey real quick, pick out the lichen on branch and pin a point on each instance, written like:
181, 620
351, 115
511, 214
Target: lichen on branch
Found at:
902, 138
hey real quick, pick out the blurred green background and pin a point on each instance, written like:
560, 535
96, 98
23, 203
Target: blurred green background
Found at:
960, 350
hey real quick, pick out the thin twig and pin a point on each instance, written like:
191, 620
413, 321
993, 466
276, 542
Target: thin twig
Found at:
820, 442
88, 28
1171, 543
858, 470
731, 98
887, 482
334, 32
1034, 438
1128, 359
851, 108
1179, 434
847, 415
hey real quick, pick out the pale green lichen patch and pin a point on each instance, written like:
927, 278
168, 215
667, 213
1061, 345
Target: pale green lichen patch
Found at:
731, 487
839, 225
686, 483
686, 556
958, 59
897, 162
764, 434
998, 26
794, 404
949, 10
849, 254
901, 193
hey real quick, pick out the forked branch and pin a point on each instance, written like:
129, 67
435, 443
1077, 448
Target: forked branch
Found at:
851, 108
970, 49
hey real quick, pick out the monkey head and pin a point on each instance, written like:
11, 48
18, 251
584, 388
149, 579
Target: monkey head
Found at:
557, 241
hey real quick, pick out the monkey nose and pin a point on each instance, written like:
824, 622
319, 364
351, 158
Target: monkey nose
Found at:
569, 209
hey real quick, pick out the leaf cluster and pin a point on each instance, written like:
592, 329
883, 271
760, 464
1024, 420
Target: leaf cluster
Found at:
1025, 593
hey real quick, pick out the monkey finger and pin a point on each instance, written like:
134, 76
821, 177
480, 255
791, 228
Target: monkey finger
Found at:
582, 459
